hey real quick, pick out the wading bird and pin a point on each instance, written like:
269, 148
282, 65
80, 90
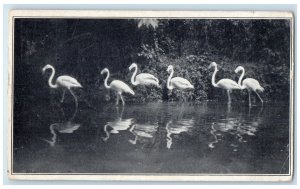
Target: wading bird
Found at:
65, 82
226, 84
177, 82
118, 86
142, 78
249, 84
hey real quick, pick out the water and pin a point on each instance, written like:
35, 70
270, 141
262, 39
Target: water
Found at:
155, 138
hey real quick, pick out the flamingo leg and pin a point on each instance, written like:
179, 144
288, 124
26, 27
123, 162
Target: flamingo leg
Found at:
122, 99
117, 102
122, 110
259, 97
249, 97
76, 103
63, 96
184, 96
229, 99
228, 107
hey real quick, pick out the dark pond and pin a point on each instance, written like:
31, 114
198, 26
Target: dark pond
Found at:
155, 138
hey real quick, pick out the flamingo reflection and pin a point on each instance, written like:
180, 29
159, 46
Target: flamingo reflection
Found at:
235, 126
176, 128
64, 128
117, 125
143, 131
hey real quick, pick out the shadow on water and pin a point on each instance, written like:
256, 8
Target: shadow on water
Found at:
157, 138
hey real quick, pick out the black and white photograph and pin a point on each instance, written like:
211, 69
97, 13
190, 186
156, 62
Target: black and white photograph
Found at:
151, 95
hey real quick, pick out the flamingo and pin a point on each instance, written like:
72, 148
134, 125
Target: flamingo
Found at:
177, 82
142, 78
250, 84
118, 86
66, 82
226, 84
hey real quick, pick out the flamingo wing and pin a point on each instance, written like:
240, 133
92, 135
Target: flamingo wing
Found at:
120, 87
147, 76
67, 81
228, 84
252, 84
181, 83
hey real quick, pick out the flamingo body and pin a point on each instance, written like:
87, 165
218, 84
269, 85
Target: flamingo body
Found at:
118, 86
64, 82
180, 83
177, 82
142, 78
226, 84
121, 87
146, 79
68, 82
250, 84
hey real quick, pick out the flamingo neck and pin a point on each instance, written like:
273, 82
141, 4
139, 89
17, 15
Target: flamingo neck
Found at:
51, 78
213, 81
105, 81
169, 80
241, 77
133, 80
